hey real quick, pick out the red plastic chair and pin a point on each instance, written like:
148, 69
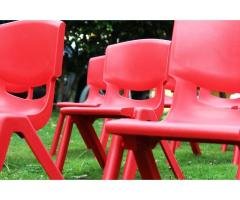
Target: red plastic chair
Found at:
126, 68
30, 56
94, 99
204, 54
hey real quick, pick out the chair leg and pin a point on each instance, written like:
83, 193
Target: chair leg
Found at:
130, 167
41, 153
238, 171
5, 138
173, 146
114, 158
224, 147
236, 155
178, 144
104, 135
171, 160
91, 139
61, 156
146, 163
195, 148
57, 134
83, 133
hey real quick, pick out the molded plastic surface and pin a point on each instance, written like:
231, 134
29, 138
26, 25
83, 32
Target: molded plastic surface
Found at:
203, 55
130, 73
95, 72
30, 55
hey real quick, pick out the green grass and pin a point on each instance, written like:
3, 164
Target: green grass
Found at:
80, 163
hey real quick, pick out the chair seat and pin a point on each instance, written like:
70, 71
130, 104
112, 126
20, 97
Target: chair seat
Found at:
203, 123
175, 130
99, 111
73, 104
19, 106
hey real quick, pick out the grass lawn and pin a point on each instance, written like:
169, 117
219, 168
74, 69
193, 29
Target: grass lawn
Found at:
80, 163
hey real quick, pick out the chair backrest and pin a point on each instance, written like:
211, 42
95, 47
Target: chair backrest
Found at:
95, 79
95, 72
207, 54
137, 65
31, 55
31, 52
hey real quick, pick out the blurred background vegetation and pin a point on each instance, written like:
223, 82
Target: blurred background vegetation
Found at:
85, 39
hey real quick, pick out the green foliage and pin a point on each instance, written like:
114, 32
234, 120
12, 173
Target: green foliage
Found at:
90, 38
